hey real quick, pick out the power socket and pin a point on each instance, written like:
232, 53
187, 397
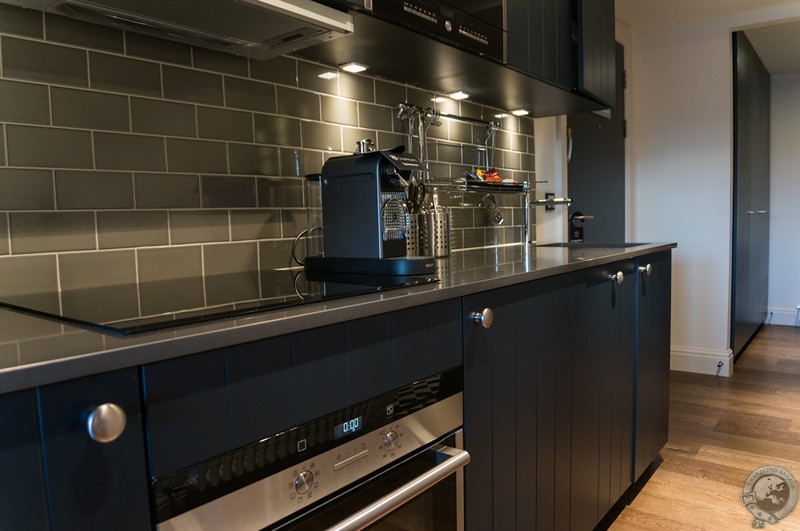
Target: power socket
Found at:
548, 195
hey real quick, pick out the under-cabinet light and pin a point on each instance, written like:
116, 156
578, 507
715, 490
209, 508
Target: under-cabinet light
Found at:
459, 95
353, 67
520, 112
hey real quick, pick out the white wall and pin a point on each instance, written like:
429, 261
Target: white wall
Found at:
784, 238
681, 123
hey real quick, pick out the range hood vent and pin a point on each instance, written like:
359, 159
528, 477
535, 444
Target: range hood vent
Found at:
254, 28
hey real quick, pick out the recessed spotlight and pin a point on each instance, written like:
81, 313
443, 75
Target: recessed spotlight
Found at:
353, 68
328, 75
520, 112
438, 99
460, 95
502, 115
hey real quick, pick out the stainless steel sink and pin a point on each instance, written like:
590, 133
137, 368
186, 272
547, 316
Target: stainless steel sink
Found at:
589, 244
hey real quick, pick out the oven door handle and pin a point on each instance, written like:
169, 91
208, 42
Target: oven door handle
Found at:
450, 460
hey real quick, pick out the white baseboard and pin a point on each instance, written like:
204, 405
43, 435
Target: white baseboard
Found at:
783, 316
703, 361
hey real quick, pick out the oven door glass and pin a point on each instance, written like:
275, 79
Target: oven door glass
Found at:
438, 508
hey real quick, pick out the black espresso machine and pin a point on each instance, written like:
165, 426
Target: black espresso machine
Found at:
365, 216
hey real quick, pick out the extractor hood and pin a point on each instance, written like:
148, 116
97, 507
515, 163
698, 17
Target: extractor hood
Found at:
254, 28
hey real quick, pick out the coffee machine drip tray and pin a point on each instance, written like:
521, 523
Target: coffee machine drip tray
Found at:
406, 265
148, 306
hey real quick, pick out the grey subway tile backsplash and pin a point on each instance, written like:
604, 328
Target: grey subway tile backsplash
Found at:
33, 275
191, 85
281, 70
147, 47
24, 102
166, 190
251, 159
280, 193
89, 110
198, 226
375, 116
196, 156
170, 279
356, 87
255, 224
224, 124
299, 103
25, 190
163, 117
299, 162
219, 62
5, 248
339, 110
132, 229
250, 95
228, 192
110, 275
47, 63
18, 21
319, 78
277, 130
79, 33
121, 74
321, 136
390, 94
184, 157
114, 151
42, 232
48, 147
93, 190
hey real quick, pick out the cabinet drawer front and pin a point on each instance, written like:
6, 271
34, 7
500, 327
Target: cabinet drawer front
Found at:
95, 485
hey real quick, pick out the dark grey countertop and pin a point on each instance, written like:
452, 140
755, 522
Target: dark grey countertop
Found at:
36, 351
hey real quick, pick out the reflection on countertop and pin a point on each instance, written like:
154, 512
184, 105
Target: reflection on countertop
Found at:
36, 350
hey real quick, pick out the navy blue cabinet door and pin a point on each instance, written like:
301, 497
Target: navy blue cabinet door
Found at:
603, 344
186, 410
22, 494
652, 361
94, 485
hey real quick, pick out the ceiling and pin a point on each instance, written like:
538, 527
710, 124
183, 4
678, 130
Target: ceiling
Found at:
778, 45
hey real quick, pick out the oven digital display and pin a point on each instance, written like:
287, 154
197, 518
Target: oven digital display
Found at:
347, 427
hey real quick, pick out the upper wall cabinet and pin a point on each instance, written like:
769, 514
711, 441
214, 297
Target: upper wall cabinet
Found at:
541, 42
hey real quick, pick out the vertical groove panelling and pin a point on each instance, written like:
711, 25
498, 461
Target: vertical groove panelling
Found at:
196, 134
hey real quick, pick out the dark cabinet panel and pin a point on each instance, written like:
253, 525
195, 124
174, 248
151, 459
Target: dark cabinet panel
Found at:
490, 434
652, 359
187, 416
23, 504
260, 389
370, 355
320, 364
539, 39
596, 57
750, 265
94, 485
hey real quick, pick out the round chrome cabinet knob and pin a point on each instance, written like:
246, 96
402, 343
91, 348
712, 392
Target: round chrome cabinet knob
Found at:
390, 440
619, 278
646, 270
106, 423
304, 482
484, 317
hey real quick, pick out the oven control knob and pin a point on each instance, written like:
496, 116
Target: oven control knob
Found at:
390, 440
304, 482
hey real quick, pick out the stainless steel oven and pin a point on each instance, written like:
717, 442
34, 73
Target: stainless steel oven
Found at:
393, 462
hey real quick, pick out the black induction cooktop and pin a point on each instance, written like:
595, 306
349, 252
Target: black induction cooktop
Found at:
133, 308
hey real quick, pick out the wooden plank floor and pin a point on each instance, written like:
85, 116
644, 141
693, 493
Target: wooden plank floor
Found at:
721, 429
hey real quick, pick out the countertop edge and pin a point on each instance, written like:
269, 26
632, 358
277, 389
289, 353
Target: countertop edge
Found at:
199, 338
